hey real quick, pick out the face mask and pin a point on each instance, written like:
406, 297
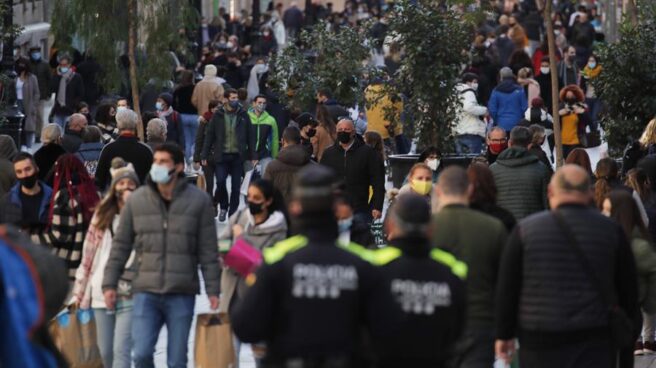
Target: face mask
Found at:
571, 100
557, 32
158, 106
20, 69
161, 174
422, 187
36, 56
29, 182
311, 132
474, 86
255, 208
260, 107
121, 108
544, 70
344, 137
230, 45
344, 225
497, 148
592, 65
266, 34
233, 104
433, 163
64, 69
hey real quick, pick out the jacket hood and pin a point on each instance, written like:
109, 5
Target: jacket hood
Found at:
7, 147
257, 120
275, 223
295, 155
508, 86
514, 157
461, 87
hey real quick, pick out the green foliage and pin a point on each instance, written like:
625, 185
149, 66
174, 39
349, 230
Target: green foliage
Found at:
324, 59
627, 83
434, 41
103, 27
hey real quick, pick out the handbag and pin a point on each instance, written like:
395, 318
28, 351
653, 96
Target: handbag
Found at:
621, 326
243, 257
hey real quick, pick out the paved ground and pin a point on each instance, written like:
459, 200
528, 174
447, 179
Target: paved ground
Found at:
648, 361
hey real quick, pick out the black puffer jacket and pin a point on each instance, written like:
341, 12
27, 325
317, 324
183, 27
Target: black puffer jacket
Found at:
359, 168
521, 182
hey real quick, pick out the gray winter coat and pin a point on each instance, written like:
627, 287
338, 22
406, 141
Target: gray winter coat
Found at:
521, 182
169, 244
31, 98
266, 234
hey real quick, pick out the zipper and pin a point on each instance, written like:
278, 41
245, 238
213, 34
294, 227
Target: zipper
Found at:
165, 226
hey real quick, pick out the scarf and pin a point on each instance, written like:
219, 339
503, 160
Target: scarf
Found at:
591, 73
61, 92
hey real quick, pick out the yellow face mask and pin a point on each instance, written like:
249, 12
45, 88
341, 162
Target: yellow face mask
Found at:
422, 187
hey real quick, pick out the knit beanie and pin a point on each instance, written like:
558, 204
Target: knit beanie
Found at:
121, 170
210, 70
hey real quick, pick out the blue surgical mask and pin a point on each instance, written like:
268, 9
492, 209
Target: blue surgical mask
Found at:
158, 106
344, 225
121, 108
36, 56
161, 174
234, 104
64, 69
592, 65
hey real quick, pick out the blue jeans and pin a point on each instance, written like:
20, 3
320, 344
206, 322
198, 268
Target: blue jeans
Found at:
232, 165
189, 128
150, 313
113, 335
469, 143
60, 119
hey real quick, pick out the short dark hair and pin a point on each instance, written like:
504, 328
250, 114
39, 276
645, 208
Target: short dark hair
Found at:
291, 135
172, 149
545, 59
81, 105
260, 96
213, 104
21, 156
325, 92
119, 98
242, 94
230, 91
520, 136
502, 29
453, 180
469, 77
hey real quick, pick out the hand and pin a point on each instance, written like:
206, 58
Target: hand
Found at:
254, 162
110, 298
505, 349
237, 230
563, 112
376, 214
204, 162
214, 302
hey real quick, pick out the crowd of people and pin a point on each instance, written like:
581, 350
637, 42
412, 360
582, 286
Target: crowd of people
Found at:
476, 258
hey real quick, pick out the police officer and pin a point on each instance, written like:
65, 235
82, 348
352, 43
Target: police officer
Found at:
311, 299
427, 283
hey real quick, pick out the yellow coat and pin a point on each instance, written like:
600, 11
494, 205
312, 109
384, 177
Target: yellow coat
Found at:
375, 111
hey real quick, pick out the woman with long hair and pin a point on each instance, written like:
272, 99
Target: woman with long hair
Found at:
648, 138
580, 157
188, 113
26, 89
484, 196
375, 141
261, 224
638, 181
607, 174
326, 132
112, 328
620, 206
420, 181
71, 209
106, 121
432, 157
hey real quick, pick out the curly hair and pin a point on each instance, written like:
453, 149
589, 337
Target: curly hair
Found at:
649, 134
576, 90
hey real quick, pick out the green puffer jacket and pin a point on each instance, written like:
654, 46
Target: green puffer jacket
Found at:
170, 243
521, 182
645, 257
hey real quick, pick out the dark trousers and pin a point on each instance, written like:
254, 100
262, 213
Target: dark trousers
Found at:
220, 190
475, 349
231, 165
589, 353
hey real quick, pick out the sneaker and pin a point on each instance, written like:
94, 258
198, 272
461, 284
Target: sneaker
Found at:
222, 215
649, 347
639, 348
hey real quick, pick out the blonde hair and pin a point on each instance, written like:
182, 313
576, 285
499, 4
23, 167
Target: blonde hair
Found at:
649, 134
525, 73
418, 166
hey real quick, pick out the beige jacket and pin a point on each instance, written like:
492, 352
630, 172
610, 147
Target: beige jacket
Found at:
204, 92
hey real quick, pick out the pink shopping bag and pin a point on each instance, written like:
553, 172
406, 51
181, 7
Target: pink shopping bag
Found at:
243, 257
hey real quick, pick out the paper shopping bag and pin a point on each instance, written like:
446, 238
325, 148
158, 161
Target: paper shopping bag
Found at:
74, 334
213, 343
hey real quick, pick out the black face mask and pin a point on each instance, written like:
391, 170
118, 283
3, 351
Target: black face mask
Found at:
255, 208
311, 132
29, 182
344, 137
571, 101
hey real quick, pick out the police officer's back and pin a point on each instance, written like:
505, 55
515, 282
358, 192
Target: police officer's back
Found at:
427, 283
311, 299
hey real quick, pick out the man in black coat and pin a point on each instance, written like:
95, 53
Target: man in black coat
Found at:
547, 295
293, 20
68, 88
359, 167
73, 133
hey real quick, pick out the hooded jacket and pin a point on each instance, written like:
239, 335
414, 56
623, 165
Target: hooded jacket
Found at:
282, 171
170, 242
521, 182
468, 120
267, 139
507, 104
264, 235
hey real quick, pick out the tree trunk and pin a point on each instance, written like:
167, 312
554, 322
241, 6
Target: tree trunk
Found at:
554, 83
632, 11
134, 83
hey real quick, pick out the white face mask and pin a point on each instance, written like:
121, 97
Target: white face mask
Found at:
544, 70
474, 86
433, 163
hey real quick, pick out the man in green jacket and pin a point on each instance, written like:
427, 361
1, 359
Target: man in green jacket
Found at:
267, 139
476, 239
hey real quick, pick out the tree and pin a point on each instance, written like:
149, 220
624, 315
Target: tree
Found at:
435, 39
324, 59
130, 39
627, 83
